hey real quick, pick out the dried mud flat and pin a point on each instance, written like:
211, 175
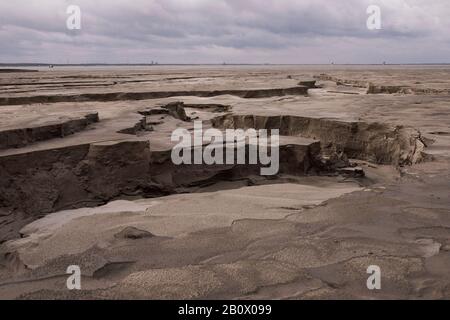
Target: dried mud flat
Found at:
86, 179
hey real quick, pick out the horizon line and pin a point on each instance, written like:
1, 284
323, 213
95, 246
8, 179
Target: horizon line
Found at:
39, 64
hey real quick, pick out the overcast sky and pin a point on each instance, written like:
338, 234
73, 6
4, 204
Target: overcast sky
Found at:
232, 31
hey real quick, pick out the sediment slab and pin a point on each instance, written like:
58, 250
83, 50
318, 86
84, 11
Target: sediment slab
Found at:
16, 138
376, 142
119, 96
45, 181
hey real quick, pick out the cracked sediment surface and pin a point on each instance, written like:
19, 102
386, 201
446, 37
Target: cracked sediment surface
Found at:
86, 178
405, 81
50, 180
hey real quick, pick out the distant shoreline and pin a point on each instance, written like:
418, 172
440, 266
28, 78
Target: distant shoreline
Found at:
12, 65
16, 70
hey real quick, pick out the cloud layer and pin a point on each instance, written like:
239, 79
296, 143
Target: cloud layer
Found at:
232, 31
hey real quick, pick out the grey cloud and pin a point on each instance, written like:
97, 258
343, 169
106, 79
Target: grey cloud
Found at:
277, 31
